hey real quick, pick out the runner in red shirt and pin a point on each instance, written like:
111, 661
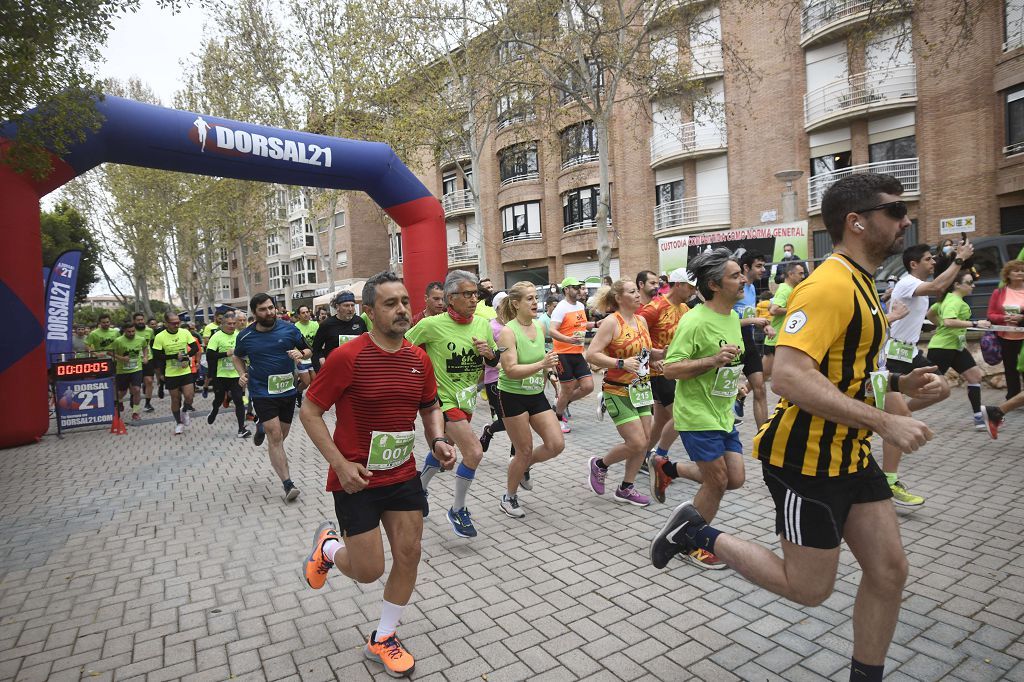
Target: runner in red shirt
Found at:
372, 468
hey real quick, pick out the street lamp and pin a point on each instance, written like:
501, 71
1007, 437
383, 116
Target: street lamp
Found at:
789, 204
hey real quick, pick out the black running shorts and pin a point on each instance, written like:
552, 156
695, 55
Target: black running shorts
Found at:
811, 511
174, 383
515, 404
572, 366
960, 360
278, 407
900, 367
752, 363
124, 381
149, 368
362, 511
664, 390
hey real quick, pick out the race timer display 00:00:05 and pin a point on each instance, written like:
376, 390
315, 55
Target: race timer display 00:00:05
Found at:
83, 369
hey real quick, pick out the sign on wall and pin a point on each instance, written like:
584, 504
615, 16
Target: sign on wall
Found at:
965, 223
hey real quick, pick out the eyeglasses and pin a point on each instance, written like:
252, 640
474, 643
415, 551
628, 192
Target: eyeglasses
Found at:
897, 210
468, 294
967, 284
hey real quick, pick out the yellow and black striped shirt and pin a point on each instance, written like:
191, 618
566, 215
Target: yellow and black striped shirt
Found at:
836, 317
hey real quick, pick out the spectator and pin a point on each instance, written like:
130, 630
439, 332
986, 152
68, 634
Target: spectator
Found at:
664, 286
1006, 307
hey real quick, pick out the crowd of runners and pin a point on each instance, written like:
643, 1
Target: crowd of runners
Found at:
679, 358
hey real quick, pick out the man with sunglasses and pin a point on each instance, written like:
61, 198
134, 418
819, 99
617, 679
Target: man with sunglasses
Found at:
815, 450
901, 354
569, 327
173, 349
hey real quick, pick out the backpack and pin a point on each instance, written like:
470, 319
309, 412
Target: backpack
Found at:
991, 351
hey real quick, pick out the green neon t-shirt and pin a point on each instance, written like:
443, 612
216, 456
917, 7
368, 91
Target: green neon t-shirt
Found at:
704, 403
171, 345
951, 338
456, 363
133, 349
222, 342
101, 339
781, 298
308, 330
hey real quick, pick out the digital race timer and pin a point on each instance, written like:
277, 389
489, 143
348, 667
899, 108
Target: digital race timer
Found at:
84, 368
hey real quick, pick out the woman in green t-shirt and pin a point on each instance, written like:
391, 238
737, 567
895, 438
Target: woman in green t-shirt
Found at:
948, 346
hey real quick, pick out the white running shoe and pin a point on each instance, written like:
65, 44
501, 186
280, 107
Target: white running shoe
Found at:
186, 418
178, 429
510, 505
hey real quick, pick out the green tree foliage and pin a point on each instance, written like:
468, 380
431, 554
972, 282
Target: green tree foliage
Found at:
65, 229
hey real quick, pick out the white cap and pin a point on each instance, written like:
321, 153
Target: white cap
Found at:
682, 275
498, 298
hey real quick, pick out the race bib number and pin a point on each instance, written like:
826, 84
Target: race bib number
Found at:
727, 381
748, 312
280, 383
1011, 309
897, 350
390, 449
640, 394
132, 364
345, 338
465, 398
878, 386
534, 382
225, 365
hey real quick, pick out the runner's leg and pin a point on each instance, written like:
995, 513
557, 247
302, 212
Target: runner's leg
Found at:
468, 444
276, 431
760, 397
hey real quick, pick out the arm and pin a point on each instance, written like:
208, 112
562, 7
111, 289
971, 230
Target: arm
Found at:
995, 306
433, 428
938, 286
193, 348
353, 476
688, 369
510, 358
595, 354
243, 375
212, 359
559, 336
775, 310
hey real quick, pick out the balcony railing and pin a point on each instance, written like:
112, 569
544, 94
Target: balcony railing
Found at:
861, 93
582, 225
692, 212
522, 177
907, 171
459, 201
579, 160
456, 153
524, 237
507, 118
686, 139
463, 252
822, 16
1014, 41
667, 7
1013, 149
707, 60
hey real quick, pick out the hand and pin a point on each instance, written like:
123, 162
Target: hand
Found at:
982, 324
353, 476
631, 365
230, 352
726, 354
899, 311
658, 366
762, 322
482, 348
743, 390
906, 433
965, 250
445, 454
1014, 319
295, 355
550, 361
243, 380
923, 382
769, 331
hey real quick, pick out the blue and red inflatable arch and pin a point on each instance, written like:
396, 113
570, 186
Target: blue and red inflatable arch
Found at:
155, 137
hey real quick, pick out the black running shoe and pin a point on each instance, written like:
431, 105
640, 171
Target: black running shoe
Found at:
672, 538
259, 438
485, 437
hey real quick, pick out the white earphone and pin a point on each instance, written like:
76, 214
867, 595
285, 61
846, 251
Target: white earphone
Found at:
858, 226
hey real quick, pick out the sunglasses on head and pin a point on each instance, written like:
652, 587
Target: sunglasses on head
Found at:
897, 210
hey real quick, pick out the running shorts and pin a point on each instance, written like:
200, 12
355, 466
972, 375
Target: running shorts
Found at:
960, 360
707, 446
664, 390
279, 407
621, 410
149, 368
768, 350
811, 511
226, 384
174, 383
124, 381
751, 355
515, 404
360, 512
900, 367
572, 366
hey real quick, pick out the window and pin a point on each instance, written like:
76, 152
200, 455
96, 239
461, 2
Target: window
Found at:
310, 237
513, 107
1013, 24
1015, 121
449, 184
575, 85
273, 245
669, 191
510, 51
579, 143
274, 272
339, 219
822, 165
518, 161
579, 207
521, 221
257, 277
396, 247
900, 148
321, 224
341, 258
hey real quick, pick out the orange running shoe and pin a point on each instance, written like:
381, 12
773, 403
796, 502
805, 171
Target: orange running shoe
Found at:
397, 661
705, 559
659, 479
316, 565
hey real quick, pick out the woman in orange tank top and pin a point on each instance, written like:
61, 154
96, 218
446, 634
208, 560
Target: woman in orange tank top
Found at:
623, 348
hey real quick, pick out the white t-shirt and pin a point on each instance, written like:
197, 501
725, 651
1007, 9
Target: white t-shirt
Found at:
908, 330
562, 309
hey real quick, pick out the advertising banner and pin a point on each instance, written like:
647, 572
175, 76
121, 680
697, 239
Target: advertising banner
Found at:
60, 304
85, 402
672, 253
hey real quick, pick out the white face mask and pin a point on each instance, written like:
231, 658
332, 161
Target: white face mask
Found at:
789, 253
947, 249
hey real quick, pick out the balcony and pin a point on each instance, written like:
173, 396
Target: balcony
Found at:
451, 156
521, 177
579, 160
583, 225
463, 253
823, 18
686, 142
457, 203
667, 8
860, 94
1013, 149
692, 213
1013, 41
707, 61
524, 237
907, 171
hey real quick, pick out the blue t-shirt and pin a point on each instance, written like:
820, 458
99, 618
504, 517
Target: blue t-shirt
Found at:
747, 306
270, 369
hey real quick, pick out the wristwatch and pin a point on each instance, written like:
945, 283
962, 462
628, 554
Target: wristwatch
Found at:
620, 363
443, 439
958, 260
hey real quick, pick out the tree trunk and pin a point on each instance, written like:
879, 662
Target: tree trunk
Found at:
243, 267
604, 249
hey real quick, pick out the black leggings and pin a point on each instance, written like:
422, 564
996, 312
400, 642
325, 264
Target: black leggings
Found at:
1011, 351
492, 399
222, 387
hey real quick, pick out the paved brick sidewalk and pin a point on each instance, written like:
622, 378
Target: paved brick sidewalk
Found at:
153, 557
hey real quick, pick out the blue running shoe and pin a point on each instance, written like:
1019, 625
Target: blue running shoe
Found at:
737, 410
462, 523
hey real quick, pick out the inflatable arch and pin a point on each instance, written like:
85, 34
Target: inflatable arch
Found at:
145, 135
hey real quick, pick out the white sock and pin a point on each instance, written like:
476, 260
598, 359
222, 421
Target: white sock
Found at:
330, 547
389, 616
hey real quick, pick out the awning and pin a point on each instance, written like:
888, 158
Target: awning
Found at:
355, 286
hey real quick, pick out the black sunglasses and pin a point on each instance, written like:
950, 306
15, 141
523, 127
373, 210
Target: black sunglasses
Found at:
897, 210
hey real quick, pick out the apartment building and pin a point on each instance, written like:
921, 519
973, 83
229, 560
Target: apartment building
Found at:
799, 85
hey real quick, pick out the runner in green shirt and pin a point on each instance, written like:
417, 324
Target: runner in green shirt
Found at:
147, 333
102, 338
131, 351
457, 342
172, 350
219, 352
794, 273
307, 370
706, 356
